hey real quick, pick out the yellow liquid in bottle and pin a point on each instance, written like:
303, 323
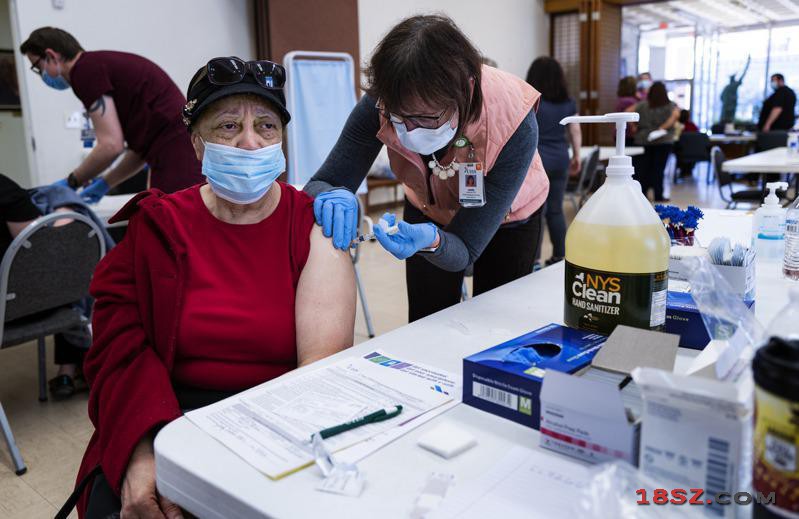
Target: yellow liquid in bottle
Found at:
635, 249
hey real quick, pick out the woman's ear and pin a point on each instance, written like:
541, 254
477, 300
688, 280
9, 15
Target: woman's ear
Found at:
197, 143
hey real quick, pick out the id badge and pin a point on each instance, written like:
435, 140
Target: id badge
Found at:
471, 189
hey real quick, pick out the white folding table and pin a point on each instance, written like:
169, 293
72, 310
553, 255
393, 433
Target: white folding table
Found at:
210, 481
771, 161
108, 206
738, 139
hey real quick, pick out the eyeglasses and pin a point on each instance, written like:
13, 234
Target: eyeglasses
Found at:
35, 67
229, 71
422, 121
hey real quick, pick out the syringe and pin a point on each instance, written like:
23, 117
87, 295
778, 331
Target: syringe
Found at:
371, 236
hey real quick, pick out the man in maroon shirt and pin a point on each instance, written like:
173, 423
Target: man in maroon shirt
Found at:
128, 99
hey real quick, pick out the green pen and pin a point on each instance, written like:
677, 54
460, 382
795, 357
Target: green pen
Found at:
377, 416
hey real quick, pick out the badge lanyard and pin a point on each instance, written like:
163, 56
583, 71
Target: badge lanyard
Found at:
471, 188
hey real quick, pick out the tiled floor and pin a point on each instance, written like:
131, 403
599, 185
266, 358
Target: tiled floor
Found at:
53, 435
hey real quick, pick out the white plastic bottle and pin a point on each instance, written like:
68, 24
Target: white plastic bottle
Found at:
768, 227
790, 262
617, 250
793, 145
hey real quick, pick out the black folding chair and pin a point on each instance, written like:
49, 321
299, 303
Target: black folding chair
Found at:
45, 270
749, 196
693, 147
579, 191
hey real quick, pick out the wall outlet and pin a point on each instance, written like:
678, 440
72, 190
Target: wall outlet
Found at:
74, 120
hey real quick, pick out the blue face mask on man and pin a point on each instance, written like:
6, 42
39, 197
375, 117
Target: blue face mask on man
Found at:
242, 176
58, 82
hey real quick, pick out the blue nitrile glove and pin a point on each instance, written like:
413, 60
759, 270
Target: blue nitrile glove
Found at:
95, 191
63, 183
337, 212
523, 355
408, 239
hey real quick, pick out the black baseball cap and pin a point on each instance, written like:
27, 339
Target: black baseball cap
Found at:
246, 78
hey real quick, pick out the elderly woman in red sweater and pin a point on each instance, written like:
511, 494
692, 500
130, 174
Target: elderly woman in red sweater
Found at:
215, 289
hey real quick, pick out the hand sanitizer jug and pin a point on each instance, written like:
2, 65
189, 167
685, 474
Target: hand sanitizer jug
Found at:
768, 225
617, 250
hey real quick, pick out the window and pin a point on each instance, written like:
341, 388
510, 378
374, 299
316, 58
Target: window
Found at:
733, 49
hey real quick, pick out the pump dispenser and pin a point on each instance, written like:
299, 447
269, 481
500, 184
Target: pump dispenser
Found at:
768, 226
617, 249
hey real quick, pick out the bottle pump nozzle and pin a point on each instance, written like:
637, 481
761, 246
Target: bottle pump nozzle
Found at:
772, 198
619, 118
619, 164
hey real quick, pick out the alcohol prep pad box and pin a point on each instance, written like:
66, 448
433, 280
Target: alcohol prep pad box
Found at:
595, 414
506, 380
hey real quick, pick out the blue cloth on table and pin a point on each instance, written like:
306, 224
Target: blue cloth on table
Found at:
49, 198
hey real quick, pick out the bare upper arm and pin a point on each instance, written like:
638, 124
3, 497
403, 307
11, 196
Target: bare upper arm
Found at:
325, 301
107, 127
15, 228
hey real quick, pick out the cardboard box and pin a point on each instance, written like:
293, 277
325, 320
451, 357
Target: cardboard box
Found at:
684, 319
697, 428
741, 278
587, 418
511, 389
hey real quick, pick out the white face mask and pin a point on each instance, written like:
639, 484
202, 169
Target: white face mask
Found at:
775, 85
425, 140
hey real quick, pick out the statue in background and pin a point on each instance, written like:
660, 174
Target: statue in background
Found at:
729, 96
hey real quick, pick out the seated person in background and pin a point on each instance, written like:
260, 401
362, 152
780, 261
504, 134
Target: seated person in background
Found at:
214, 289
684, 124
17, 211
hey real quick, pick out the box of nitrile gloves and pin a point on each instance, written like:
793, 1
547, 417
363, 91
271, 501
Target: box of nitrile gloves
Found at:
506, 380
684, 319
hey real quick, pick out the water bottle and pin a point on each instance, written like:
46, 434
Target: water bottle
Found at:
790, 265
793, 146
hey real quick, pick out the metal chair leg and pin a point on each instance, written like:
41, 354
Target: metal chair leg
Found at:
16, 457
42, 371
464, 291
366, 315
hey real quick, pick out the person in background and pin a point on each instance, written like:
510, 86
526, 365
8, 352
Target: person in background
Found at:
215, 289
655, 133
17, 211
688, 126
683, 125
546, 75
778, 108
643, 85
128, 99
626, 96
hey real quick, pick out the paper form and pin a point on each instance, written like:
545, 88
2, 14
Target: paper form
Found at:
268, 426
525, 483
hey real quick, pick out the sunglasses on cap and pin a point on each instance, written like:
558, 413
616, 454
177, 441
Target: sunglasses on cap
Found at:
229, 71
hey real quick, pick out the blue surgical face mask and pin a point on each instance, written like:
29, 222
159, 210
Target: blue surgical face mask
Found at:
425, 140
242, 176
58, 82
775, 85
